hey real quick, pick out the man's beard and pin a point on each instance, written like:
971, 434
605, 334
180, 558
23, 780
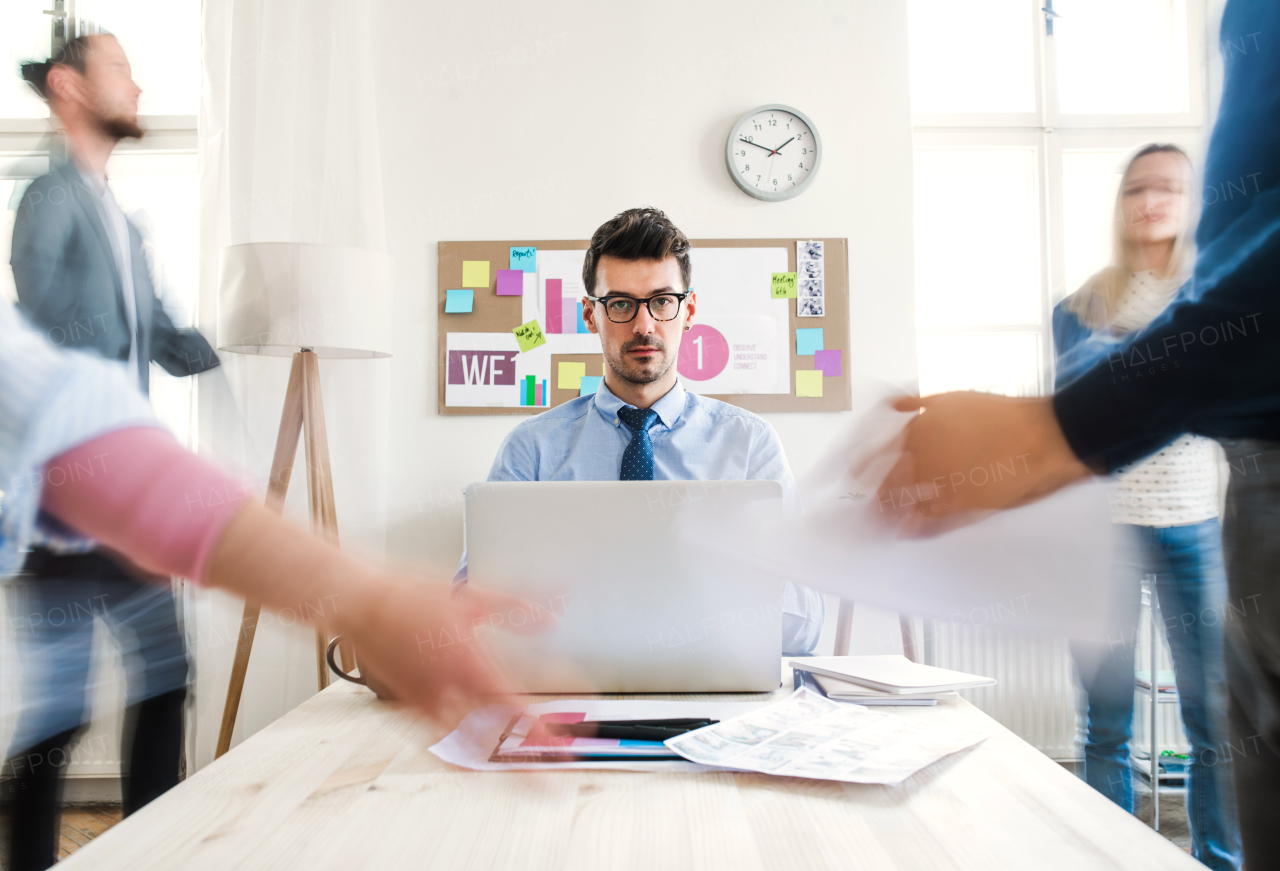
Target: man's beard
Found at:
626, 370
120, 127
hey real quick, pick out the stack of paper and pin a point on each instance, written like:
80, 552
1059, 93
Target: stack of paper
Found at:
846, 691
885, 680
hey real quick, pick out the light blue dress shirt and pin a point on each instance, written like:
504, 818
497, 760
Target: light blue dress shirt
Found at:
50, 401
695, 439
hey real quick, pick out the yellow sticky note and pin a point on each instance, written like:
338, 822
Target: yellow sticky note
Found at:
571, 375
809, 382
529, 336
783, 285
475, 273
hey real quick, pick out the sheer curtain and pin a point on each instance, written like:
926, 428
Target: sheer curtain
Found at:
288, 153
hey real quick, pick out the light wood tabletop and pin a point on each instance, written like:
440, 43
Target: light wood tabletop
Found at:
345, 781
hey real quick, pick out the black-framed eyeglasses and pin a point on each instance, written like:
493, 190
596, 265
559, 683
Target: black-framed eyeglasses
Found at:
623, 309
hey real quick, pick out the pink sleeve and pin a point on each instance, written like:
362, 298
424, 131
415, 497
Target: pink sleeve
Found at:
138, 492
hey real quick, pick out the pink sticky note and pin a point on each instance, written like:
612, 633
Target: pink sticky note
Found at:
510, 282
829, 362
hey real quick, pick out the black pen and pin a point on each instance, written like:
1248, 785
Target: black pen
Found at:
655, 730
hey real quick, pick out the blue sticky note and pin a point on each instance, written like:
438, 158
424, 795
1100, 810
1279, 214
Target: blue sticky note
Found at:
808, 341
458, 302
524, 259
590, 384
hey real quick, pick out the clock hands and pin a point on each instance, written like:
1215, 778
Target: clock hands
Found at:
772, 151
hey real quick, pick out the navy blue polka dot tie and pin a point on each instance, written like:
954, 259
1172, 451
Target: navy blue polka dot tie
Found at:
637, 459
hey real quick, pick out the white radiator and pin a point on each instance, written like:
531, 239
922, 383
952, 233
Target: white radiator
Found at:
1036, 695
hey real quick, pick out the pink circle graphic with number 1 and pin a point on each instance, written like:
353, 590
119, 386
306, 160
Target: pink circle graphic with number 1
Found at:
703, 353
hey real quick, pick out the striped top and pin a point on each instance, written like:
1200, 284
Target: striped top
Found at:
1179, 484
50, 401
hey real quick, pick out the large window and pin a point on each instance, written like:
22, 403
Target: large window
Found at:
1024, 113
153, 179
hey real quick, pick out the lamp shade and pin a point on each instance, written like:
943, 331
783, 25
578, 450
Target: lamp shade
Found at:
276, 298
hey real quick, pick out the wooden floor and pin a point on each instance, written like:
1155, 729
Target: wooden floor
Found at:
80, 825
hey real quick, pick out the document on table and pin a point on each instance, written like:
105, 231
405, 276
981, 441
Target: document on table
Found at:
479, 734
806, 735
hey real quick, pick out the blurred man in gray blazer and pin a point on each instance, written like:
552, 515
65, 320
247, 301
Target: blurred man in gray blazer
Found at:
83, 278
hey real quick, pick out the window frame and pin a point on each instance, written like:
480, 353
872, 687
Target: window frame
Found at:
1052, 133
28, 144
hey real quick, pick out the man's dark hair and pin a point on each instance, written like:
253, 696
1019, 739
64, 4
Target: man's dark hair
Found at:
637, 234
73, 54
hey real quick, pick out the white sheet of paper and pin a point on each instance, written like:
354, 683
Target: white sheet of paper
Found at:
733, 285
566, 266
753, 360
483, 385
806, 735
472, 743
1045, 567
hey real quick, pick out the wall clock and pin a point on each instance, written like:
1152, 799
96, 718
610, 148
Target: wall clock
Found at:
773, 152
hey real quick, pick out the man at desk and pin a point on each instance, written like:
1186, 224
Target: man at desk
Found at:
641, 424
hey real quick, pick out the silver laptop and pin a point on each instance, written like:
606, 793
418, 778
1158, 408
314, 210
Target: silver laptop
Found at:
636, 605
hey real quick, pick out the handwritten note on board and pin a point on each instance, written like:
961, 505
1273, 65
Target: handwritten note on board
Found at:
529, 336
475, 273
570, 375
809, 382
524, 259
783, 285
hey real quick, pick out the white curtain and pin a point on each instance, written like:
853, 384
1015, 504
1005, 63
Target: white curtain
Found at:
288, 153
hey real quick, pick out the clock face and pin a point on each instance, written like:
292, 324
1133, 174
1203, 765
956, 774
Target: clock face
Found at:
773, 152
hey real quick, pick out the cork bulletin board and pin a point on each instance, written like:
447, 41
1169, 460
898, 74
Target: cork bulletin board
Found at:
479, 310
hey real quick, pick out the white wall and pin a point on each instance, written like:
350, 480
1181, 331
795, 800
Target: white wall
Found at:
506, 120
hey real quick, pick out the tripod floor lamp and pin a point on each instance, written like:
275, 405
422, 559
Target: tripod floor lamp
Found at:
285, 299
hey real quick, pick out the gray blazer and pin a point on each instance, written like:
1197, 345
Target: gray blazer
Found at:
69, 284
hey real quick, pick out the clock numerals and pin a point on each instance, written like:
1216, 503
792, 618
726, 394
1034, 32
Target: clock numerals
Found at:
766, 136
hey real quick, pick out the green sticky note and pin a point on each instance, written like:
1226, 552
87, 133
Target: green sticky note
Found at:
475, 273
570, 376
784, 285
809, 382
529, 335
524, 259
457, 302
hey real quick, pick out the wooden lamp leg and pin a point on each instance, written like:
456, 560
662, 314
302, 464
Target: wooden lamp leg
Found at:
281, 469
324, 513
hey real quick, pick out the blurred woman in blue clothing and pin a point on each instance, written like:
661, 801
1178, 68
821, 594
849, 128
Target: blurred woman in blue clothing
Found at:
1169, 501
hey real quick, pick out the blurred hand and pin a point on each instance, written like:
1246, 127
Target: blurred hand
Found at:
428, 648
969, 452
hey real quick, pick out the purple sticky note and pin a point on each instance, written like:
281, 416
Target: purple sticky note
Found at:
828, 362
510, 282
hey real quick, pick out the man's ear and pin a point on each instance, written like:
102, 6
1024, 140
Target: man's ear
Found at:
690, 308
63, 84
589, 315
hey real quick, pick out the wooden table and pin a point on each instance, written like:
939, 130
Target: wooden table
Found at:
345, 781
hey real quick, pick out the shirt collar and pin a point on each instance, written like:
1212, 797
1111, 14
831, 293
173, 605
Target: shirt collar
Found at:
668, 408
